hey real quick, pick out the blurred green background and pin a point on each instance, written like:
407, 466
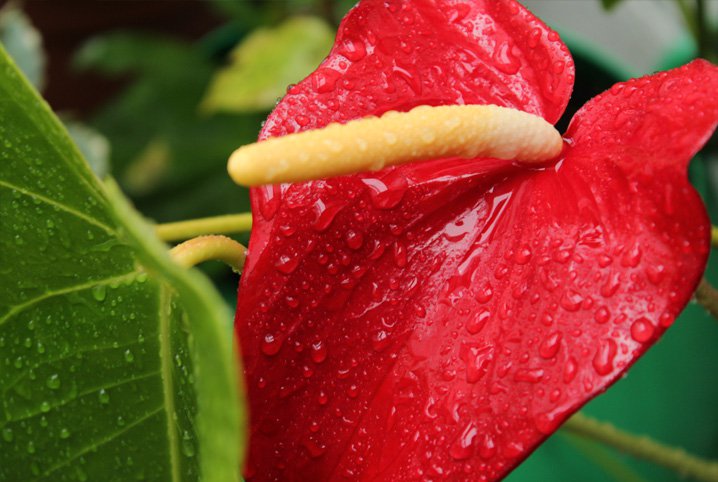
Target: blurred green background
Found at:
159, 93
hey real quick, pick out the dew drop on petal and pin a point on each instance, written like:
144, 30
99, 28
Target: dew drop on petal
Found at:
603, 359
271, 345
642, 330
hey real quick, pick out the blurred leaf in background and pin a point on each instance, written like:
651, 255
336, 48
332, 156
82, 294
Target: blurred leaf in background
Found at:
23, 43
266, 62
609, 4
169, 158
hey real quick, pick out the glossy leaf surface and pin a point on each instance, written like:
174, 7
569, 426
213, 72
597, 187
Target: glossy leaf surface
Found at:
114, 364
441, 319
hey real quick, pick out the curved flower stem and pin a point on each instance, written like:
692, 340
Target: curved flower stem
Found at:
707, 296
208, 248
230, 223
643, 447
714, 236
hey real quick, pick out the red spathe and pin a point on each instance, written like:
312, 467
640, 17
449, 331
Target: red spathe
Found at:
439, 320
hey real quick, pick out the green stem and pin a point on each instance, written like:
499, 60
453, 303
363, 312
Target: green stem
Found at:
643, 447
707, 296
231, 223
702, 37
327, 9
210, 248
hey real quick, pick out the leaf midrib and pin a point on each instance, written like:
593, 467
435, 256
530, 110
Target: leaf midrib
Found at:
167, 382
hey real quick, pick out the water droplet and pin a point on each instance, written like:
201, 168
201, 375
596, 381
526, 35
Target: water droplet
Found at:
632, 257
324, 214
462, 448
399, 254
270, 198
352, 49
656, 273
271, 345
354, 239
287, 263
380, 340
318, 352
485, 293
602, 315
53, 382
487, 447
505, 60
550, 345
547, 423
603, 359
104, 397
314, 449
99, 292
64, 433
129, 356
642, 330
324, 80
570, 369
530, 375
387, 192
478, 321
477, 360
7, 434
611, 285
45, 407
187, 445
571, 300
513, 449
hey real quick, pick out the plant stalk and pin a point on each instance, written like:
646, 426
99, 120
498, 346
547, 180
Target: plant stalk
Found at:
707, 296
643, 447
702, 34
209, 248
228, 224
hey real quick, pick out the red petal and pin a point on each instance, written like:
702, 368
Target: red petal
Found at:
666, 117
396, 54
440, 320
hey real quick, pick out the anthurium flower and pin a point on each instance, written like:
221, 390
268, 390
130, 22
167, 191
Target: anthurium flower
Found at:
438, 320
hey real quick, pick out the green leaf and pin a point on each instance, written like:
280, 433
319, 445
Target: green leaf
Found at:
609, 4
266, 62
23, 43
115, 364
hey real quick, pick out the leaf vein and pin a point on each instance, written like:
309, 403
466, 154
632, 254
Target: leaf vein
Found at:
14, 310
63, 207
167, 385
103, 441
88, 391
90, 349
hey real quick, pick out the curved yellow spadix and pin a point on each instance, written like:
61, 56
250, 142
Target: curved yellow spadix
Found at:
372, 143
